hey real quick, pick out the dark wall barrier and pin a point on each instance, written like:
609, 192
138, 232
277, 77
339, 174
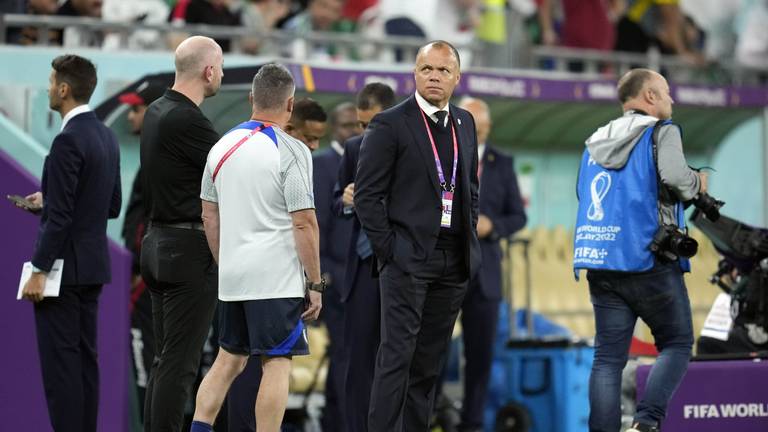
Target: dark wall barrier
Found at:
22, 402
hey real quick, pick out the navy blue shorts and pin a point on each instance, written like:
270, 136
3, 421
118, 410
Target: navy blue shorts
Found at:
271, 327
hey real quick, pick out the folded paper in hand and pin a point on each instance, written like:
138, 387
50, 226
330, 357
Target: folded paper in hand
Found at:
52, 282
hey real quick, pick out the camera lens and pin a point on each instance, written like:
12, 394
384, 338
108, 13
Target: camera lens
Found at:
683, 246
709, 206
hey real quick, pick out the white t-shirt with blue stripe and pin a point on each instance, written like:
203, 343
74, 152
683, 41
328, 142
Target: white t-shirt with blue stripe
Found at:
257, 187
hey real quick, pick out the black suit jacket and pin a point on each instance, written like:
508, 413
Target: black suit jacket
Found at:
334, 232
81, 190
397, 195
346, 175
500, 201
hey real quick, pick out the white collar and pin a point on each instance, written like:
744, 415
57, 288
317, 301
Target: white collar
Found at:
72, 113
430, 109
338, 147
480, 151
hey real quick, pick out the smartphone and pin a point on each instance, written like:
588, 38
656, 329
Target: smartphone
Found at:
23, 203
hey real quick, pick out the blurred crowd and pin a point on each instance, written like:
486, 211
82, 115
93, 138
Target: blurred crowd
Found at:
494, 33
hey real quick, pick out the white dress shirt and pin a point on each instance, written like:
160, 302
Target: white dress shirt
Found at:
75, 111
337, 147
430, 109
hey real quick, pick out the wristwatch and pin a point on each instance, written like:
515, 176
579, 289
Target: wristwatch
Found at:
319, 287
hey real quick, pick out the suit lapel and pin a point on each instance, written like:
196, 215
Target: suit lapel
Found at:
418, 130
465, 146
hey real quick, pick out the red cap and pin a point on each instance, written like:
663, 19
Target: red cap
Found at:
131, 99
146, 93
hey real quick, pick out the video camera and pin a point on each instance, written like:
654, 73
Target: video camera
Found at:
742, 274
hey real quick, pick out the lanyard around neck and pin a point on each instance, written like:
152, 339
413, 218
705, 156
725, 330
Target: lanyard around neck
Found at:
438, 164
229, 152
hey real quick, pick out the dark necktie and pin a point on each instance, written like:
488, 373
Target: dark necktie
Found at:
363, 245
441, 118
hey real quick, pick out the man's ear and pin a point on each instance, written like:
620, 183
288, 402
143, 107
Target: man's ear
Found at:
650, 95
289, 104
64, 89
208, 74
250, 98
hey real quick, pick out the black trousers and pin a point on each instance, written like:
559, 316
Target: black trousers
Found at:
362, 329
181, 274
142, 339
333, 317
479, 319
418, 312
241, 399
66, 340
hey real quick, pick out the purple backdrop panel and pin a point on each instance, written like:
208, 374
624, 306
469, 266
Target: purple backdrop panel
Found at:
717, 396
522, 87
22, 402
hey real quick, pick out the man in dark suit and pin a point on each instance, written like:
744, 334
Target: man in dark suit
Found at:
334, 239
416, 195
359, 291
80, 191
501, 215
308, 122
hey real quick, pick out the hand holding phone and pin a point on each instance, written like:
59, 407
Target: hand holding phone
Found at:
30, 204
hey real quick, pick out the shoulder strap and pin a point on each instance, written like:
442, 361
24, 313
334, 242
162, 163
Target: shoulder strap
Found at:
229, 152
665, 195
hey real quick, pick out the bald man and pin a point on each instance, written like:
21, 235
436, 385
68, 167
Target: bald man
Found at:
416, 197
176, 262
633, 183
501, 215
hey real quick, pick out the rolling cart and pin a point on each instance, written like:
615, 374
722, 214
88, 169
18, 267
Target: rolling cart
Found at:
539, 380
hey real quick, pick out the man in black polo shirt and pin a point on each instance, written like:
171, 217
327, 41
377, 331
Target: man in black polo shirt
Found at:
176, 262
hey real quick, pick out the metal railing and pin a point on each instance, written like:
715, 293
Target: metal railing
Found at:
343, 42
614, 64
354, 46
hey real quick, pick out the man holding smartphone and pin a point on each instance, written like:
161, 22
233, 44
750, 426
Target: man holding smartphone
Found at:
81, 187
32, 203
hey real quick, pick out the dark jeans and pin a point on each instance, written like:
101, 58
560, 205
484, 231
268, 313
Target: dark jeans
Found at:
417, 316
66, 340
660, 298
182, 278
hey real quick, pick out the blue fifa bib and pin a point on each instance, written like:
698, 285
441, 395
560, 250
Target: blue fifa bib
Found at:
618, 212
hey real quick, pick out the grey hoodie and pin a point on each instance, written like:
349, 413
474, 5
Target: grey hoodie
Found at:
611, 145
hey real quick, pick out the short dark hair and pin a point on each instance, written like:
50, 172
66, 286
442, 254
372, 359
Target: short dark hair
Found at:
272, 85
78, 72
374, 94
308, 109
632, 82
442, 44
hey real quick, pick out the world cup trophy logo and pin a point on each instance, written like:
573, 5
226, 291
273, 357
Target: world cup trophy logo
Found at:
598, 189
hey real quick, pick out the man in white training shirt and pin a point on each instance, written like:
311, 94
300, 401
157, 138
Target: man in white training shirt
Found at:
259, 217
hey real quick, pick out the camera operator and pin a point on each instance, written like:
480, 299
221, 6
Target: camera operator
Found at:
632, 186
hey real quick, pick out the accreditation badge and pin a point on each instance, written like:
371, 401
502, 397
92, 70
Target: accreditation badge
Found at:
445, 220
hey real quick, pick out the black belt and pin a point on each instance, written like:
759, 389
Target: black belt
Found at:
197, 226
